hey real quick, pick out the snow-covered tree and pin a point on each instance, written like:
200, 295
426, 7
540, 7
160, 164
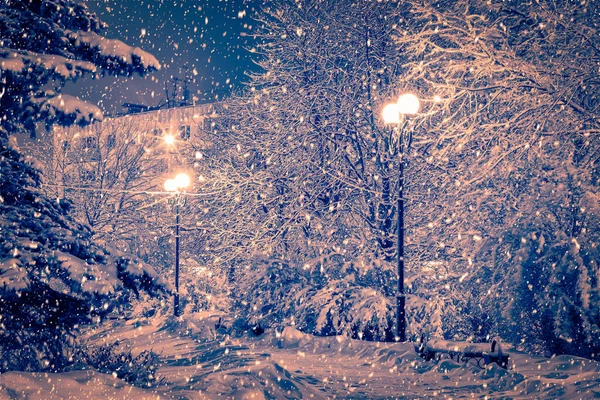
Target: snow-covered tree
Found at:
504, 153
304, 172
52, 276
504, 168
43, 44
111, 171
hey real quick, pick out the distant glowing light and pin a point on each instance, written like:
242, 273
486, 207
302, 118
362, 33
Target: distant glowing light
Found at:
181, 181
169, 139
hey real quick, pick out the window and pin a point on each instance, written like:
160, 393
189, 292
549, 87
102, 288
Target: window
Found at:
89, 142
184, 132
88, 176
111, 141
65, 146
89, 148
209, 124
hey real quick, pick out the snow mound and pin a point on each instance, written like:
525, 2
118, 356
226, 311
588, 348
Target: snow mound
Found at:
291, 364
202, 324
68, 385
12, 276
267, 381
292, 337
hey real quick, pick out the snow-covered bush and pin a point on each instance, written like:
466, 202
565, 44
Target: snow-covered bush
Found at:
345, 308
327, 299
204, 287
556, 294
114, 358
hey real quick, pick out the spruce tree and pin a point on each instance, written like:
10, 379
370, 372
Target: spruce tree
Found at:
52, 277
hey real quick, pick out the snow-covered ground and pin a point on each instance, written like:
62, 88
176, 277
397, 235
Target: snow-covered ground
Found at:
200, 363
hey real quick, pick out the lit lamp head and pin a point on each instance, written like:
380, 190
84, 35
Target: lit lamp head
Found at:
171, 185
391, 114
407, 104
181, 181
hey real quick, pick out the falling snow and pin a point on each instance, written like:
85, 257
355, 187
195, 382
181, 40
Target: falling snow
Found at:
233, 199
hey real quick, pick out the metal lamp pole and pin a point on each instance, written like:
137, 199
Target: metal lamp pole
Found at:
181, 181
400, 295
394, 114
176, 295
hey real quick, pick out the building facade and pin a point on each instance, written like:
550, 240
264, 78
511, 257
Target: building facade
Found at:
165, 133
114, 170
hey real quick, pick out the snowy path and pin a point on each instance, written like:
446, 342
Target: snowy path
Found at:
291, 364
198, 364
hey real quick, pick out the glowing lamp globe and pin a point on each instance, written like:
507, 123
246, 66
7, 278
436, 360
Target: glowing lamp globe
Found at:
408, 104
391, 114
170, 185
182, 180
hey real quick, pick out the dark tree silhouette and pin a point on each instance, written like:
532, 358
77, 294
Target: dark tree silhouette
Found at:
52, 276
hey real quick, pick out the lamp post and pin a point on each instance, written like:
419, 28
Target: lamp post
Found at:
181, 181
395, 114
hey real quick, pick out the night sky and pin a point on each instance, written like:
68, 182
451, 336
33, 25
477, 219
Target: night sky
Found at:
206, 42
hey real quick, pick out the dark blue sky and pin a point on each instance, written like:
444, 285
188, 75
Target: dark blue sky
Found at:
205, 41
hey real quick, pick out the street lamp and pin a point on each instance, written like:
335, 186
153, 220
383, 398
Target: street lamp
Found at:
395, 114
181, 181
